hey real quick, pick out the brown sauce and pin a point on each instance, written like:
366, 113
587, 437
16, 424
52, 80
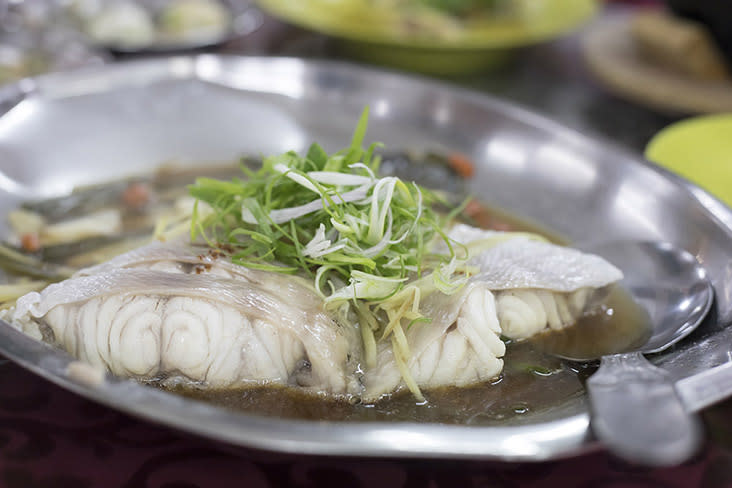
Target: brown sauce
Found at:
533, 380
530, 382
618, 325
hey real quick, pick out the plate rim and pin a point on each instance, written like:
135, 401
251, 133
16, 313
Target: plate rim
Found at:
192, 67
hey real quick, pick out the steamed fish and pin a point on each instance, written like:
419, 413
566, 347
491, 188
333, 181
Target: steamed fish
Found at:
186, 312
320, 275
173, 311
538, 285
523, 287
460, 345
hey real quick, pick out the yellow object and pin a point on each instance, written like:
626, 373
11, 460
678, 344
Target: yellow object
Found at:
377, 31
700, 150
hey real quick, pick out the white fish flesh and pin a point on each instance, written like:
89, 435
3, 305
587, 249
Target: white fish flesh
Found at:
525, 312
172, 311
538, 285
520, 262
523, 287
460, 346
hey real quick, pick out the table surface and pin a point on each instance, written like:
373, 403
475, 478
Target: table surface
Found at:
52, 438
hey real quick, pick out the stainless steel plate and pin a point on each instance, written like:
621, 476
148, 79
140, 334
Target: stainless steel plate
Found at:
77, 128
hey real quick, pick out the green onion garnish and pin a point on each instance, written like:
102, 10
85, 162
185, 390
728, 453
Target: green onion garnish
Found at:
330, 216
366, 241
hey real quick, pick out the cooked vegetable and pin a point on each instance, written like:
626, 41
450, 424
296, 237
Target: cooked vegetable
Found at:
30, 242
461, 164
137, 195
106, 222
11, 292
26, 265
358, 235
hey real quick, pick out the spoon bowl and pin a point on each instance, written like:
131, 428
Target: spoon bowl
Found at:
664, 295
636, 410
669, 284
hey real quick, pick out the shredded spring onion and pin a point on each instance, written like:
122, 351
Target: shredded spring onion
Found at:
329, 216
366, 241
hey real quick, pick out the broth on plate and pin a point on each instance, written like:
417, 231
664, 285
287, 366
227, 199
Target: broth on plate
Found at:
532, 380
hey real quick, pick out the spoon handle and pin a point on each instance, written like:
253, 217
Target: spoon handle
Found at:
638, 414
706, 388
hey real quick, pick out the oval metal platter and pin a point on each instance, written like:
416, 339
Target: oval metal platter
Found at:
64, 130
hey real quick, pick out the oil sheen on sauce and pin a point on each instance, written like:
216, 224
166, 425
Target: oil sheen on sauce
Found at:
534, 378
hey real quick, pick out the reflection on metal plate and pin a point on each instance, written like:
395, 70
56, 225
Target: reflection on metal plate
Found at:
102, 124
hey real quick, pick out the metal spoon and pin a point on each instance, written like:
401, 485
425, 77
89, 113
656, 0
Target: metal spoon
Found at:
636, 410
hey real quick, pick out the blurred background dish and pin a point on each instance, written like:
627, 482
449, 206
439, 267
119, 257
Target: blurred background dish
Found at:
660, 60
33, 42
128, 26
438, 37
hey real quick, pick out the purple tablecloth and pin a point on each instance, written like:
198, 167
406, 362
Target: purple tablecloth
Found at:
50, 438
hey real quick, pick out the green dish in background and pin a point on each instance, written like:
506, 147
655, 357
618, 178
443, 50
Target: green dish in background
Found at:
433, 43
700, 150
